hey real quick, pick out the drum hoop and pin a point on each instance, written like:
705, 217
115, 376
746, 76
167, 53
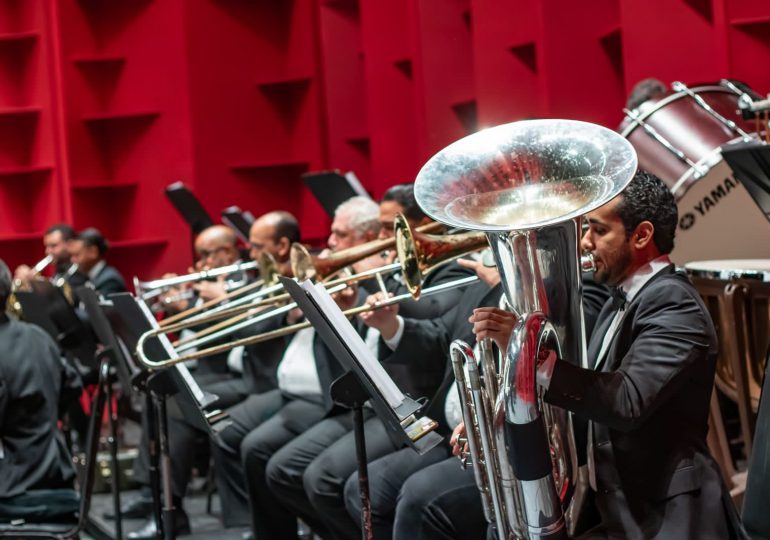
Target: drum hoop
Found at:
634, 122
706, 163
729, 274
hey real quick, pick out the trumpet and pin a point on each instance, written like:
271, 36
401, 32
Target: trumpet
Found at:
13, 304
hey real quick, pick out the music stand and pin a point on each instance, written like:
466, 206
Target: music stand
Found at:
174, 386
750, 162
115, 356
356, 387
330, 188
47, 307
239, 221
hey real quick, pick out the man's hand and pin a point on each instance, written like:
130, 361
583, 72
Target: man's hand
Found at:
173, 300
209, 290
494, 323
459, 432
347, 297
383, 319
23, 275
487, 274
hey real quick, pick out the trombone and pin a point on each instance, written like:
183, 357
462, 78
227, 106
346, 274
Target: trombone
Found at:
420, 259
158, 364
147, 290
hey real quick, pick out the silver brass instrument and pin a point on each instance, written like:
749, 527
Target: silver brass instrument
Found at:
150, 289
526, 184
13, 303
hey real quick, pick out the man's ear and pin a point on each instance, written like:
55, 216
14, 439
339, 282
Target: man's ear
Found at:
643, 235
283, 247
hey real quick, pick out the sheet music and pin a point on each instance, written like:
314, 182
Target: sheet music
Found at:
350, 337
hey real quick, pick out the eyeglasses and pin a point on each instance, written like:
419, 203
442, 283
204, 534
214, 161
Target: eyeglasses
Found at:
205, 253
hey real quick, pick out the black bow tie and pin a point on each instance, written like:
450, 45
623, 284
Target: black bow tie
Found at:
619, 299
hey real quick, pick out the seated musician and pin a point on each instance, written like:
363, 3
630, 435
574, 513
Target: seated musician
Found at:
647, 393
88, 250
35, 385
56, 242
436, 498
265, 422
307, 475
273, 233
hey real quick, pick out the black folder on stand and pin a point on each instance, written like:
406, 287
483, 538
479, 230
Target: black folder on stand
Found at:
189, 207
103, 318
331, 188
47, 307
186, 399
239, 221
397, 420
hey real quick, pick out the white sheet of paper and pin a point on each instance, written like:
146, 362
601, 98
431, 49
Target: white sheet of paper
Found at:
357, 346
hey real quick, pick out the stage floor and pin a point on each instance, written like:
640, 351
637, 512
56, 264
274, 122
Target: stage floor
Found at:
203, 525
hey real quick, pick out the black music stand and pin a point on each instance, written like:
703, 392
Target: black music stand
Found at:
174, 387
331, 188
750, 162
356, 387
190, 208
239, 221
112, 353
47, 307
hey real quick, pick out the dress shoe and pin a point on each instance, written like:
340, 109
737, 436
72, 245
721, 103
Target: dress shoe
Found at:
138, 508
149, 531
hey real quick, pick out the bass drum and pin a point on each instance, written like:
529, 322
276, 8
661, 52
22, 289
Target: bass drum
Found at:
678, 137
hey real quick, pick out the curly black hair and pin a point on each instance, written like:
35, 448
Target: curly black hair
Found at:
647, 198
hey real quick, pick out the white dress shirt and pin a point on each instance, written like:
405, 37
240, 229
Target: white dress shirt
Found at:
631, 286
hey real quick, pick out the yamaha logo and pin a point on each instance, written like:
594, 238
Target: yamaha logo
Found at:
705, 204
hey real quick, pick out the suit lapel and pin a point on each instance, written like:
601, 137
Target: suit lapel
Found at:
628, 318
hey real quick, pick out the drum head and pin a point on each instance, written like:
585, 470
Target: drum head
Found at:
718, 219
727, 269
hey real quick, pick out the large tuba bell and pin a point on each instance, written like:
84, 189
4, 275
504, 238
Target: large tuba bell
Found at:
526, 184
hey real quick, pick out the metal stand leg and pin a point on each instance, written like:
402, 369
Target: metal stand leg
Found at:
152, 440
363, 473
114, 465
165, 460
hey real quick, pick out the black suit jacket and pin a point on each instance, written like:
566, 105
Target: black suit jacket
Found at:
35, 384
109, 281
650, 406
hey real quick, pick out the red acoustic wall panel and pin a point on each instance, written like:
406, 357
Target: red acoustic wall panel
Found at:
104, 102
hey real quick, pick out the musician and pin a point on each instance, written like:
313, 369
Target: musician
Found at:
35, 385
647, 393
265, 422
273, 233
55, 240
88, 250
431, 496
308, 474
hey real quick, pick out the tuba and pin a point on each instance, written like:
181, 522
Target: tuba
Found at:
526, 185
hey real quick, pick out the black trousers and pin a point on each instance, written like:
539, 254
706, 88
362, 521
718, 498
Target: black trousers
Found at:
261, 425
386, 478
182, 437
308, 475
440, 502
